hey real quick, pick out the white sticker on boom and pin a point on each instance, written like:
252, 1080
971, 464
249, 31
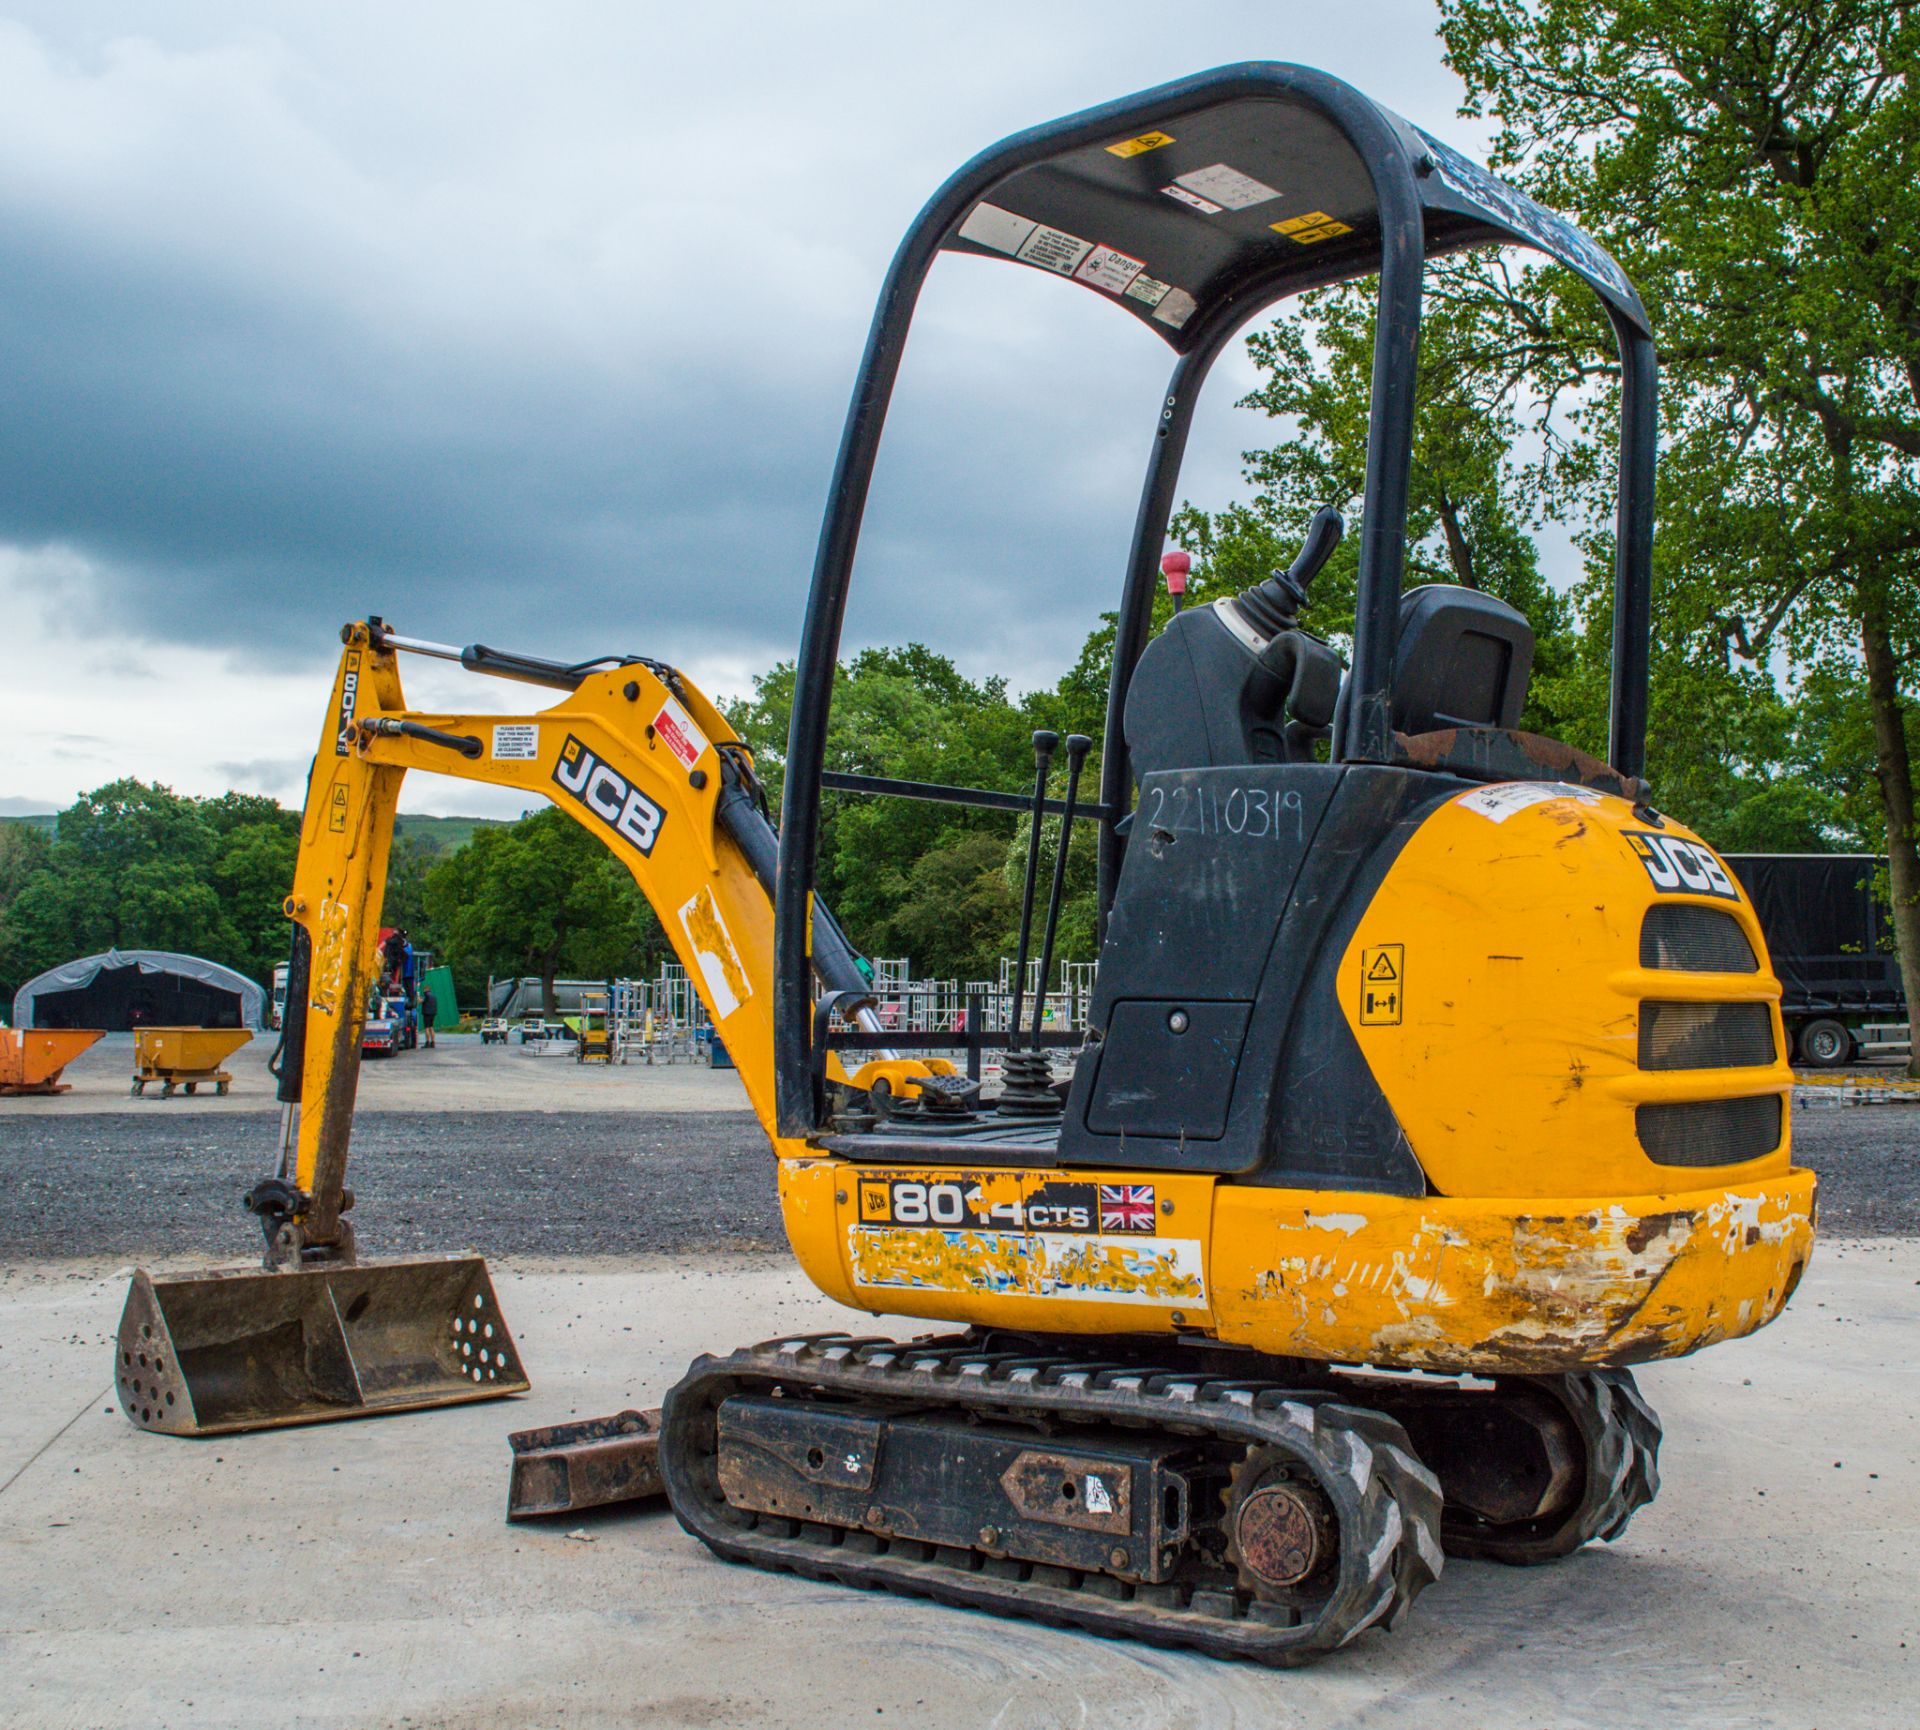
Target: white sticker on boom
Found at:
1099, 1497
1228, 186
1193, 200
1054, 249
675, 728
1107, 269
516, 740
1176, 308
1497, 804
989, 225
1147, 288
726, 982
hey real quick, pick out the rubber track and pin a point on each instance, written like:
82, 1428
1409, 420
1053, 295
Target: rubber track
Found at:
1621, 1434
1387, 1503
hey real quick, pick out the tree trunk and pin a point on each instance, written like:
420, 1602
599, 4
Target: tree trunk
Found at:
549, 965
1459, 548
1893, 768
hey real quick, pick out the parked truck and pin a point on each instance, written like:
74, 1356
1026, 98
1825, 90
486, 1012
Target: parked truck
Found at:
1831, 939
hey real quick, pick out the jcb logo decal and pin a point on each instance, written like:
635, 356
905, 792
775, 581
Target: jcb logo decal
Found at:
609, 795
349, 694
1681, 867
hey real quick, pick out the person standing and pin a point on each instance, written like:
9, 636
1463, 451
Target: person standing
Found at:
429, 1009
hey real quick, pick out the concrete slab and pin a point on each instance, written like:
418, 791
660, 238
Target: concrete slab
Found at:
460, 1073
362, 1574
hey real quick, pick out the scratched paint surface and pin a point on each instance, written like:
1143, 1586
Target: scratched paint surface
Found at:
1426, 1284
1164, 1271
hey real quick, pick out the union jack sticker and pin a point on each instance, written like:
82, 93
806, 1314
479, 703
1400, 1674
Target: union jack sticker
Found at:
1126, 1207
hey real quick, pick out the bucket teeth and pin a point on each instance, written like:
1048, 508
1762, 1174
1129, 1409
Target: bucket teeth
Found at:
241, 1349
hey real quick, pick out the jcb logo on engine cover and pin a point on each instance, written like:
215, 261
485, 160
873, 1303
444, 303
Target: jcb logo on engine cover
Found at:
1681, 867
609, 795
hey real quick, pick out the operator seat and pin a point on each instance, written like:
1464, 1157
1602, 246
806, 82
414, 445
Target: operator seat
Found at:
1464, 659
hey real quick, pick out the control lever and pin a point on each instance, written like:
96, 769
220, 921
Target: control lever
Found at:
1078, 745
1044, 745
1274, 605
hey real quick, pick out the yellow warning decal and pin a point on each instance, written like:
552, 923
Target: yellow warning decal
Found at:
1383, 973
1139, 146
337, 811
1316, 225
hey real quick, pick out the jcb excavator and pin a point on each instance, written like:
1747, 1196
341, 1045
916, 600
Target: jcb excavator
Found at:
1434, 1075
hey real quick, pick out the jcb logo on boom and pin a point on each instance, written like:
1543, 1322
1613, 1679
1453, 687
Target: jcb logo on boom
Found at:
1681, 867
609, 795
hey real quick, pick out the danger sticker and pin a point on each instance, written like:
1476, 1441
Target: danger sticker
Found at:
675, 729
1382, 984
1141, 145
1227, 186
1147, 288
989, 225
1315, 226
516, 740
1175, 308
1499, 803
1054, 249
1108, 269
1193, 200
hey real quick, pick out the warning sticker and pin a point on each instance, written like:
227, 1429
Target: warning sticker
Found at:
1315, 226
1107, 269
1227, 186
517, 740
675, 729
989, 225
1176, 308
1054, 249
1099, 1499
1148, 288
1382, 984
1193, 200
1499, 803
337, 811
1139, 146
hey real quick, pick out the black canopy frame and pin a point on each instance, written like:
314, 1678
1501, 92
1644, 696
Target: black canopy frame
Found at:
1385, 197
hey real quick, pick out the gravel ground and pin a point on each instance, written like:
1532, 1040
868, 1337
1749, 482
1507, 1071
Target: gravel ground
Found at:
603, 1183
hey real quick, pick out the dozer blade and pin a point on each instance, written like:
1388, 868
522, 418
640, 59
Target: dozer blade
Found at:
205, 1354
590, 1464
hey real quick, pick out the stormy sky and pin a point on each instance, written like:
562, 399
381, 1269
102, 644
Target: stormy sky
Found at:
534, 325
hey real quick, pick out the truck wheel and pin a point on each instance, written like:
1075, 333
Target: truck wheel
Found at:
1824, 1044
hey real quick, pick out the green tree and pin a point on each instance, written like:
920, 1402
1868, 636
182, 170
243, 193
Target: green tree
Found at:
1753, 163
541, 896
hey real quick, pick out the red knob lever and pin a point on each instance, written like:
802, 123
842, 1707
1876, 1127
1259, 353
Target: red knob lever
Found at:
1174, 566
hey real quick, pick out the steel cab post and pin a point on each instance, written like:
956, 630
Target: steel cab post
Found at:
1193, 207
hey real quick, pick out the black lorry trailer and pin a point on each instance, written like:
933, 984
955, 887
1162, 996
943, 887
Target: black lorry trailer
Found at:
1831, 938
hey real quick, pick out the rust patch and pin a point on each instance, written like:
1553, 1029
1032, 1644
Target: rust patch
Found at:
1652, 1226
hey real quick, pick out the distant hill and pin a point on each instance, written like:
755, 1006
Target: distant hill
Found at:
437, 834
442, 834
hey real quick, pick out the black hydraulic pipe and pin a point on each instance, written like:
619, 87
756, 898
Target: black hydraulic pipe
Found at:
1044, 745
291, 1054
1078, 745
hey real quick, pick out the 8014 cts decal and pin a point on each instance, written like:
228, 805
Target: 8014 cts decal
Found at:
962, 1205
608, 794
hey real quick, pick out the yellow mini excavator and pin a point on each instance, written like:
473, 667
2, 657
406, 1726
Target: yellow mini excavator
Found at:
1434, 1076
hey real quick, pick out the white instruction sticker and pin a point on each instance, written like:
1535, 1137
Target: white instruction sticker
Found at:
1148, 288
725, 979
1176, 308
1227, 186
1107, 269
675, 728
1499, 803
1054, 249
517, 739
1099, 1497
989, 225
1193, 200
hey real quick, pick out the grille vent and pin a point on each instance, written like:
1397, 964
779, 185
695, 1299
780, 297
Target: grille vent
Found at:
1710, 1132
1677, 938
1705, 1036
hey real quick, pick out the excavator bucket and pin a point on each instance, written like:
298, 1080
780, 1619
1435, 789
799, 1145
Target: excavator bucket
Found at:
206, 1354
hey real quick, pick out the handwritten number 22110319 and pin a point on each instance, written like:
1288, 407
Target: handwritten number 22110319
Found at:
1252, 813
